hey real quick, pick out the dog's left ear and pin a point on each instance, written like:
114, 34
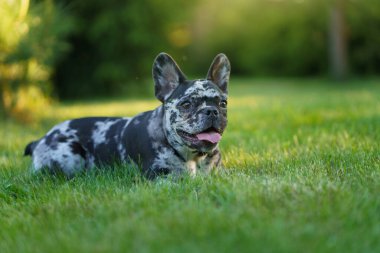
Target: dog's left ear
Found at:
167, 76
219, 72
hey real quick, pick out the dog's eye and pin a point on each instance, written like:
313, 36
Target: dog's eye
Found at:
186, 105
223, 104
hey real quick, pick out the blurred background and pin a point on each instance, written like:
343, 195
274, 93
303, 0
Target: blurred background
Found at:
54, 50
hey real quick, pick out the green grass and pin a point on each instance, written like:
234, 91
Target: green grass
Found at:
302, 174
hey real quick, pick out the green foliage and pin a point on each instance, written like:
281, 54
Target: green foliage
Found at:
32, 39
115, 43
97, 48
364, 36
286, 38
267, 37
302, 174
47, 27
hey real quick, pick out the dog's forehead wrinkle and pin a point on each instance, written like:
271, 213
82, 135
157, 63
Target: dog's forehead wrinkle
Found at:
200, 82
202, 88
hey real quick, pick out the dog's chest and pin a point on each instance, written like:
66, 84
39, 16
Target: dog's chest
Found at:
191, 167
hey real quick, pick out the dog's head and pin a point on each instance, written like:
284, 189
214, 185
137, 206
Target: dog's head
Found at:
195, 111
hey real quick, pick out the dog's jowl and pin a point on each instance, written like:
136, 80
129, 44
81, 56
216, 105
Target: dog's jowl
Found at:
181, 135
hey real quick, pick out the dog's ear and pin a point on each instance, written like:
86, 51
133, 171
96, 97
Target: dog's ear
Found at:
219, 72
167, 76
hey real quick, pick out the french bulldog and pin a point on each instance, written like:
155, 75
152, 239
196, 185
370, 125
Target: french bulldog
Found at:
179, 136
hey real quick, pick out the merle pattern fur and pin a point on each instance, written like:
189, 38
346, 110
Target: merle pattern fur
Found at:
152, 140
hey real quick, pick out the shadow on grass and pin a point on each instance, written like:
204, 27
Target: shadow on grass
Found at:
21, 186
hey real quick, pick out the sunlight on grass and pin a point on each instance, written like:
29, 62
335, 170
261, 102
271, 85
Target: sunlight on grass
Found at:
120, 108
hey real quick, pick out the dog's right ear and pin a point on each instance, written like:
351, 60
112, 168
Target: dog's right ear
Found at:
219, 72
167, 76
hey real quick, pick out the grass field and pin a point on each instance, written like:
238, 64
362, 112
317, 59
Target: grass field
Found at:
302, 174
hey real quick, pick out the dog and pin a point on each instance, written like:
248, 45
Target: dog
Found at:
180, 136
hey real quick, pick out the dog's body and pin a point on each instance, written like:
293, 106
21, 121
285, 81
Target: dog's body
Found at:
179, 136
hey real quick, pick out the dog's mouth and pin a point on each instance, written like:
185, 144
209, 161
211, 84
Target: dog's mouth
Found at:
210, 135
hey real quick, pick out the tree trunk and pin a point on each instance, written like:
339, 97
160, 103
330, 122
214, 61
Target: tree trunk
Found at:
338, 41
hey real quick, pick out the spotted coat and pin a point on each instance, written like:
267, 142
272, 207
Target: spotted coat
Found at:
152, 140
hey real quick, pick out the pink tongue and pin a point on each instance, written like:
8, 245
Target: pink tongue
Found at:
213, 137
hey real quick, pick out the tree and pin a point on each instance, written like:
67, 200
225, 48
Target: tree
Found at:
338, 41
31, 40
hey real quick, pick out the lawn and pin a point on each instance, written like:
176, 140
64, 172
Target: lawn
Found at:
302, 174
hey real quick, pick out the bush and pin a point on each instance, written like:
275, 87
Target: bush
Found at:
286, 38
114, 44
28, 55
87, 48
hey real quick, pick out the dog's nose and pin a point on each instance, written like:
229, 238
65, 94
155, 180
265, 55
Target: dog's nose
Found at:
211, 111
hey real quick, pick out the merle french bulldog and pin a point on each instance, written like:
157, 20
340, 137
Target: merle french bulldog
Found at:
181, 135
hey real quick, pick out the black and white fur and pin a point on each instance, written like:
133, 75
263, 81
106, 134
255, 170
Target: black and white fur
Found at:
160, 141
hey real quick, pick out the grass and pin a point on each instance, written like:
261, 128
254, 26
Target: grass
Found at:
302, 174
